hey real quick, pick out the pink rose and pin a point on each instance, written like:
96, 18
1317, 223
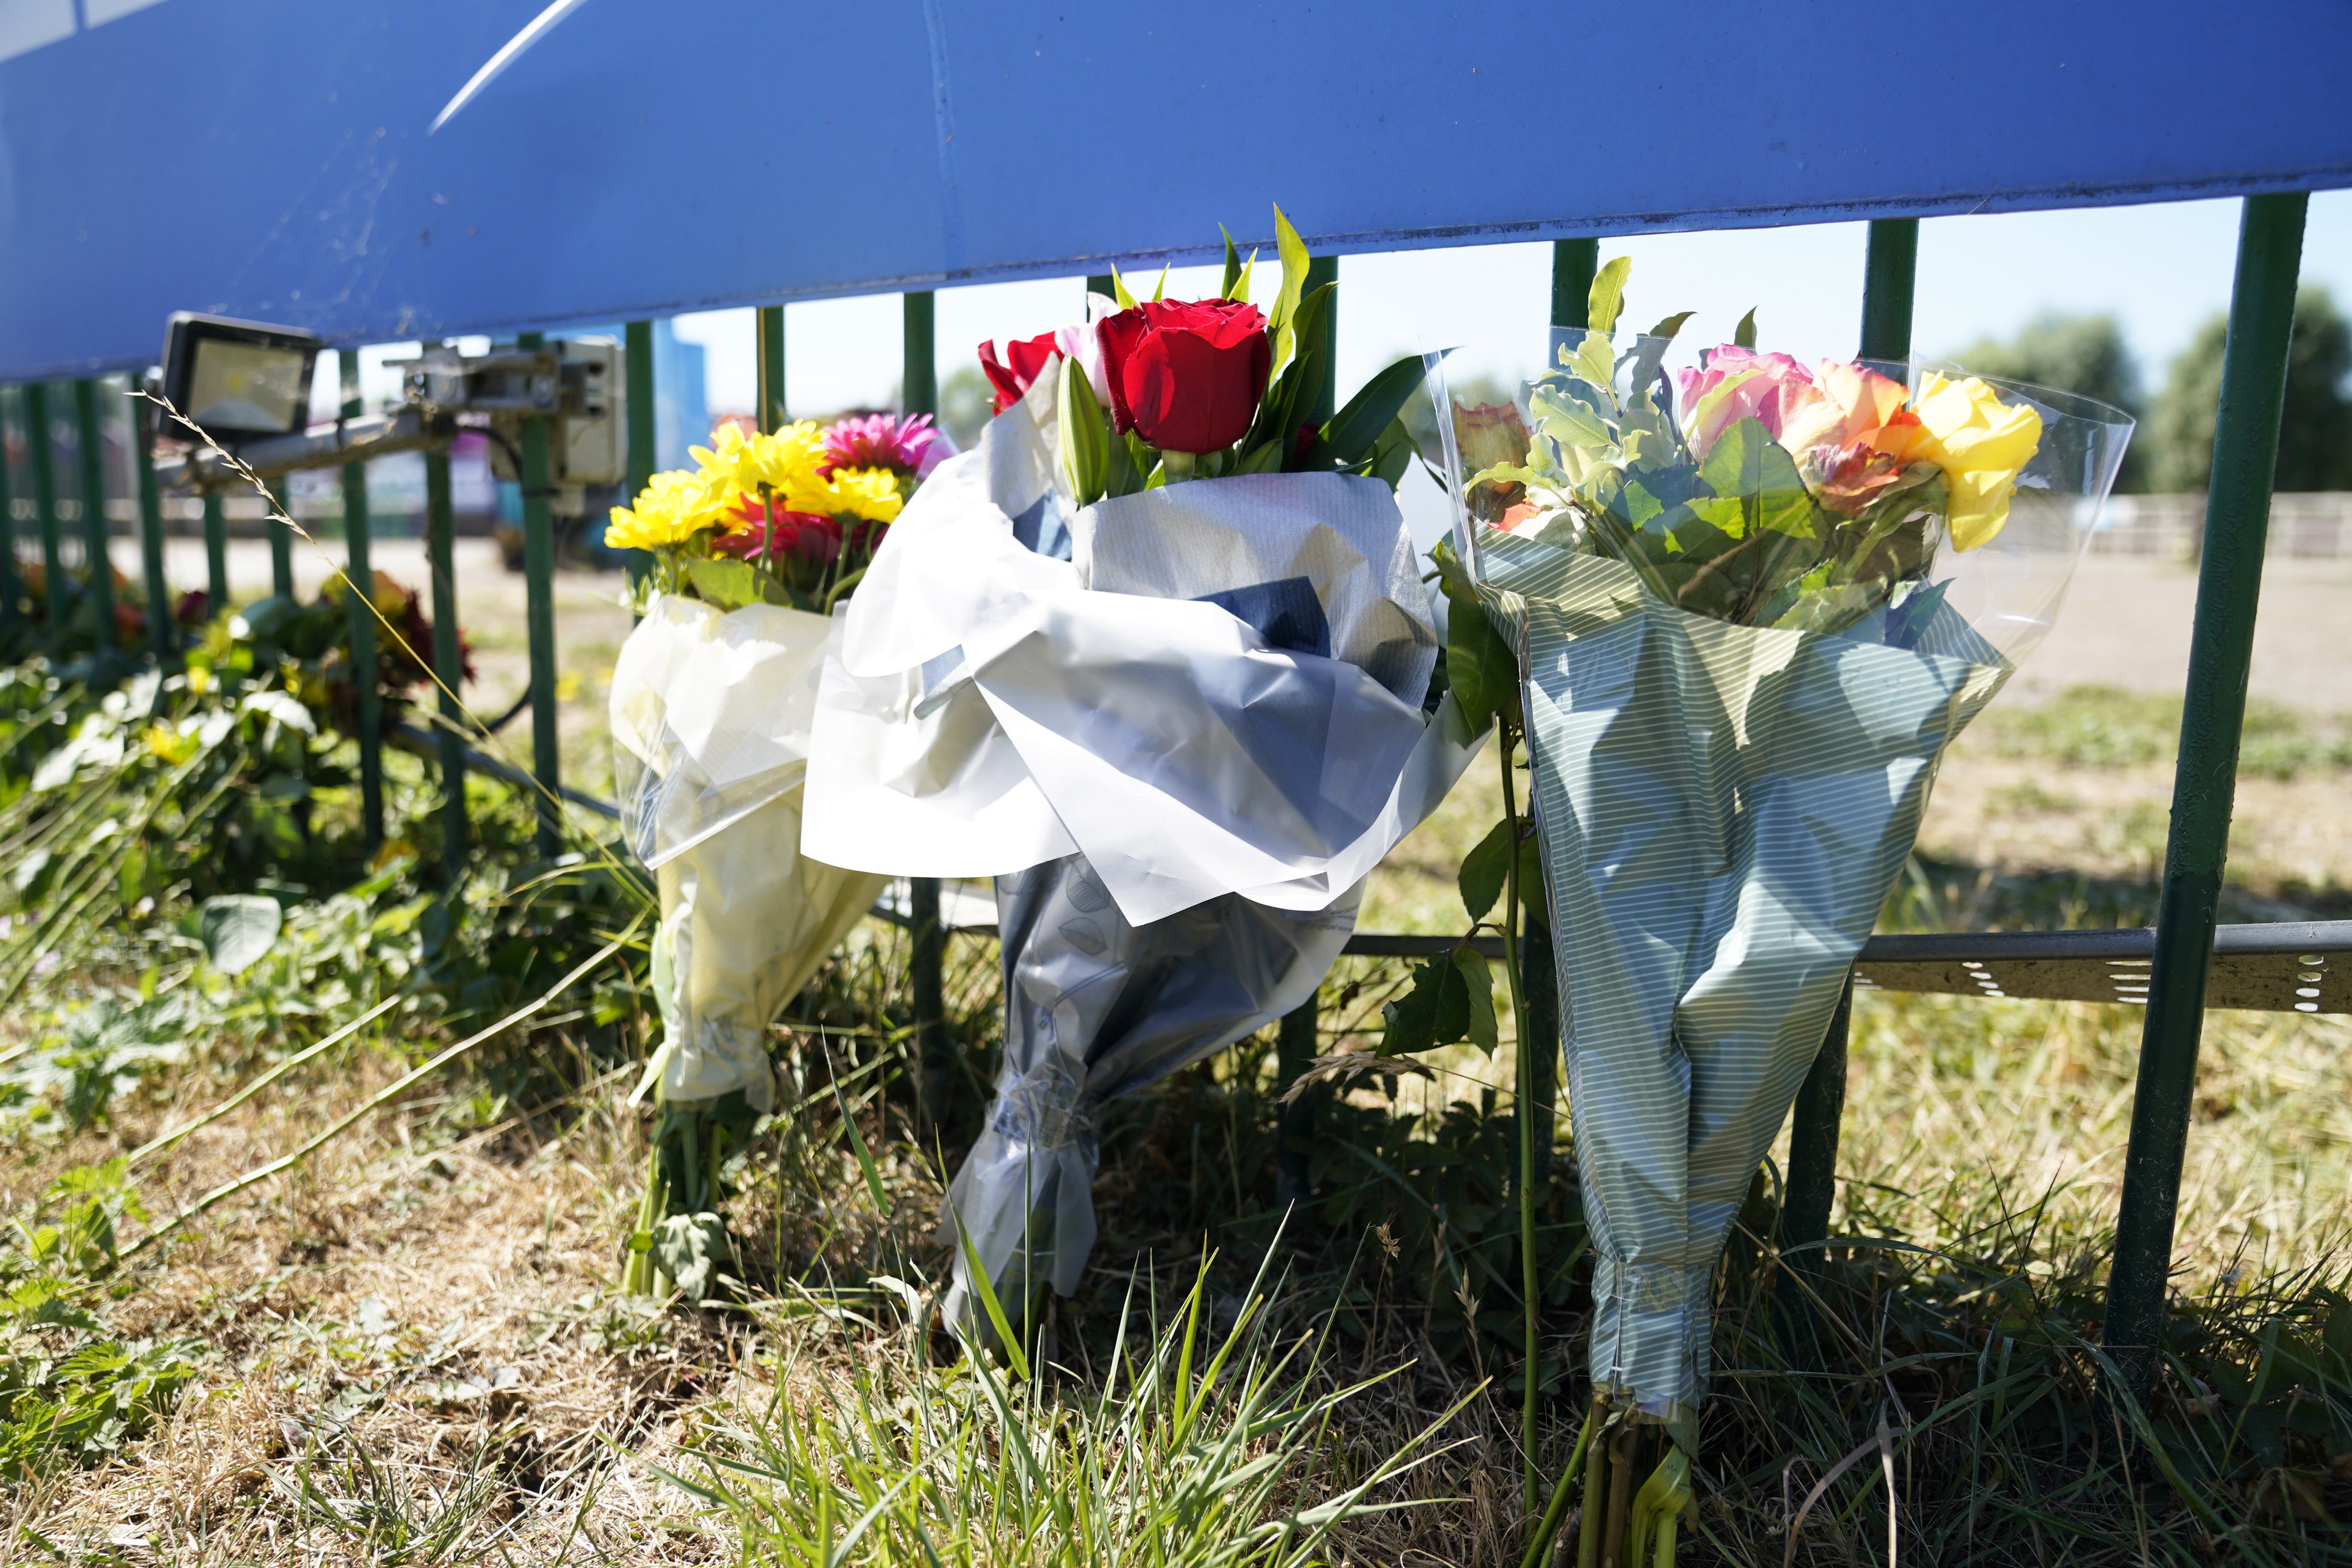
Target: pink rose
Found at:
1771, 388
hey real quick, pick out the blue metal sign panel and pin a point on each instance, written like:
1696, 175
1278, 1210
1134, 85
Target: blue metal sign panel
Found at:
271, 159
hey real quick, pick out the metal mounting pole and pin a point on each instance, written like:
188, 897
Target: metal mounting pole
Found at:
163, 632
448, 657
96, 567
2204, 781
534, 473
367, 697
926, 960
771, 322
281, 539
41, 446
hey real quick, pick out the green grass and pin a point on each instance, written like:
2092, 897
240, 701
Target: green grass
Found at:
2101, 726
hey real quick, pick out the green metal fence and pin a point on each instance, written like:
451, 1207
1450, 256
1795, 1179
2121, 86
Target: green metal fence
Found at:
40, 417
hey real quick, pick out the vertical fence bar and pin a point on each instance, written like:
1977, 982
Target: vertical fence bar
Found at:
41, 447
360, 611
1295, 1042
539, 580
215, 553
1889, 273
1889, 270
1320, 270
98, 567
771, 322
281, 538
1573, 264
918, 382
11, 580
2204, 781
639, 357
448, 657
162, 631
1813, 1137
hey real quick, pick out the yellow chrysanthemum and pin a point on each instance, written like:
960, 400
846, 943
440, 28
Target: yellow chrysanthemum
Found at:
1982, 445
672, 508
870, 494
741, 464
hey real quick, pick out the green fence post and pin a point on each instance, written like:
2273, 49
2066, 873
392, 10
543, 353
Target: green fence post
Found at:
448, 657
1296, 1038
215, 553
163, 633
539, 578
1573, 264
637, 354
98, 567
11, 582
1889, 273
918, 392
770, 324
2204, 781
41, 446
360, 610
281, 537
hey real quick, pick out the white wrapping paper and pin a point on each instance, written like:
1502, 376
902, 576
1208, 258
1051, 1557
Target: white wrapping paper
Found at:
1179, 751
711, 716
988, 708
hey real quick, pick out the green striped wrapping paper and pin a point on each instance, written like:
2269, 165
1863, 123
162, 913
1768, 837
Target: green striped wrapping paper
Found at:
1723, 811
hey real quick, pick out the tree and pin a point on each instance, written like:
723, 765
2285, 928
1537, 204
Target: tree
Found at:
2315, 429
964, 399
2082, 354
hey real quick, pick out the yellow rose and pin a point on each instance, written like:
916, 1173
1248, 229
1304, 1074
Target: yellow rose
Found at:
1982, 445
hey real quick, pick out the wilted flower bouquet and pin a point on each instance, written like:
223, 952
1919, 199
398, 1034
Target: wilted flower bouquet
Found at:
1749, 602
713, 699
1156, 657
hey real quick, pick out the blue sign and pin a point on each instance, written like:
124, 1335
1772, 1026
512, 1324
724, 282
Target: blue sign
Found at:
270, 159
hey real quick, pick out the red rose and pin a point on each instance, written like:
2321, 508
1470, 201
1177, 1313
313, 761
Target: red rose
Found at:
1186, 375
1030, 356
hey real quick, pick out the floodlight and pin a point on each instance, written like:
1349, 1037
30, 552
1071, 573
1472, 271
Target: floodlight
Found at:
238, 378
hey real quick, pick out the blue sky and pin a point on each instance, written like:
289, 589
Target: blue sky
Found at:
2159, 269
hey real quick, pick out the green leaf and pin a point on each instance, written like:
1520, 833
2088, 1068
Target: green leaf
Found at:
1608, 297
1434, 1011
1233, 267
1453, 577
236, 930
1671, 325
1159, 289
1283, 321
1085, 436
1746, 463
732, 584
1119, 290
1744, 335
1478, 1026
1392, 454
1483, 667
1484, 870
1353, 431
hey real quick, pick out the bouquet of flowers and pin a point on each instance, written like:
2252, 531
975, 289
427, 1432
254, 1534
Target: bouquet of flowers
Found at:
1749, 600
713, 699
1156, 657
